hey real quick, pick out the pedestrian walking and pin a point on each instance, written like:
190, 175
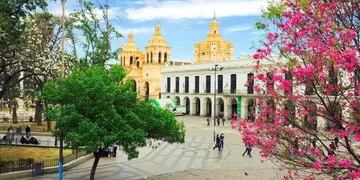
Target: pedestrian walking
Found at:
114, 150
247, 150
223, 121
222, 140
208, 122
27, 130
218, 121
10, 134
217, 142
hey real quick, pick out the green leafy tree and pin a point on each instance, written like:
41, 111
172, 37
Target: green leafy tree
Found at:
92, 24
95, 108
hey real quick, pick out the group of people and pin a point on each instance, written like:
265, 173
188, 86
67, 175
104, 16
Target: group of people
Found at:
217, 121
109, 152
219, 142
10, 136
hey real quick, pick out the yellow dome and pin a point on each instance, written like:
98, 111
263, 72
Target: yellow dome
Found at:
157, 39
130, 45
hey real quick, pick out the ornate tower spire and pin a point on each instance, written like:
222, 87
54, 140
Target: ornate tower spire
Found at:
130, 37
157, 30
214, 28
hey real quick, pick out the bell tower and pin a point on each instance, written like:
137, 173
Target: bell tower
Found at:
157, 51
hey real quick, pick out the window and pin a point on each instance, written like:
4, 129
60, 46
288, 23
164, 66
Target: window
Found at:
177, 82
168, 84
269, 83
138, 64
197, 84
333, 81
131, 60
208, 84
165, 57
233, 83
288, 77
357, 80
250, 83
159, 59
147, 58
289, 112
186, 84
151, 57
220, 84
309, 87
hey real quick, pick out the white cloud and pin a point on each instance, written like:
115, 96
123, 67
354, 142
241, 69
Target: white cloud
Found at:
194, 9
140, 30
237, 28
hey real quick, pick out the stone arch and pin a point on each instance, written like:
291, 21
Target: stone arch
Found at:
208, 107
186, 102
177, 100
147, 90
251, 108
134, 88
220, 107
233, 103
197, 104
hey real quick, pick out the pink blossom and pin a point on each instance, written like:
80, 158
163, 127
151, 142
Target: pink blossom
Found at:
354, 174
285, 85
345, 163
357, 137
317, 165
343, 134
331, 160
272, 37
261, 77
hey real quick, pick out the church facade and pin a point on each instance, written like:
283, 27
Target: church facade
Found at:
213, 48
144, 68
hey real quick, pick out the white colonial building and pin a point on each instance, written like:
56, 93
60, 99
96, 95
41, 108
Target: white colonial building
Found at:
193, 86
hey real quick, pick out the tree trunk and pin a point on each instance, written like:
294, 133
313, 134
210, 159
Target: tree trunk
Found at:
48, 123
96, 161
14, 113
38, 112
1, 104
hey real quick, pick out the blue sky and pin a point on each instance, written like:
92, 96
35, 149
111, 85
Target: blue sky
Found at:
183, 22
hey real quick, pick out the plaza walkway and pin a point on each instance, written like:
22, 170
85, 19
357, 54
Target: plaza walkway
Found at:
195, 159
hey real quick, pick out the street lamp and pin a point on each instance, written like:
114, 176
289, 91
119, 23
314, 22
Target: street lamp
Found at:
61, 157
215, 68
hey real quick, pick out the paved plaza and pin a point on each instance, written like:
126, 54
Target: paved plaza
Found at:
195, 159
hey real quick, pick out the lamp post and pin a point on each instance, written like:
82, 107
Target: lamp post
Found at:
215, 69
61, 146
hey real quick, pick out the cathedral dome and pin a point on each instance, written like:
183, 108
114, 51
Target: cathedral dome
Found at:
157, 39
130, 45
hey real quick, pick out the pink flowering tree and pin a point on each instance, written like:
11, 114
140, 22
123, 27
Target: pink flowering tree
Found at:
308, 84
